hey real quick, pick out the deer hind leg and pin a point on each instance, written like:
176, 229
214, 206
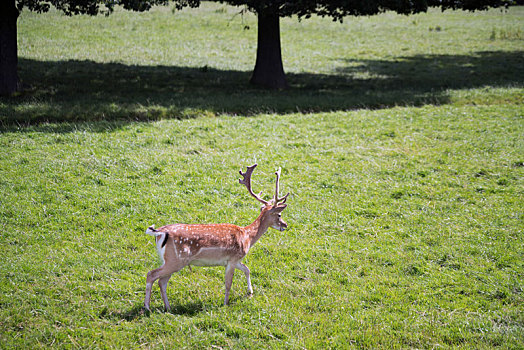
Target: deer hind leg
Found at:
162, 274
162, 283
230, 271
245, 269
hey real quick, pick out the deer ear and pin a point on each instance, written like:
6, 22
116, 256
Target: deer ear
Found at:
279, 208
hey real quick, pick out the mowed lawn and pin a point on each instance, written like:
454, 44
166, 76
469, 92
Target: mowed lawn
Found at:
401, 141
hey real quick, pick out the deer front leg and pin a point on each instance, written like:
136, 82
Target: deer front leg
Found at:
230, 271
245, 269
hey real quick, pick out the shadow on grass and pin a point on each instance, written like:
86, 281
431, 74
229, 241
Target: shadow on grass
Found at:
137, 311
87, 91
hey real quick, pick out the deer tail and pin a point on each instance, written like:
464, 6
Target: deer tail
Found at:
153, 232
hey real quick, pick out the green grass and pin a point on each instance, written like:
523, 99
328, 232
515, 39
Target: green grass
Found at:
403, 151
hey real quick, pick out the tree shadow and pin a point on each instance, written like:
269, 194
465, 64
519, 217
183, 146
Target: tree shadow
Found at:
427, 73
87, 91
137, 311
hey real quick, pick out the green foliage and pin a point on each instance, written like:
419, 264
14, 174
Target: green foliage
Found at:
94, 7
337, 9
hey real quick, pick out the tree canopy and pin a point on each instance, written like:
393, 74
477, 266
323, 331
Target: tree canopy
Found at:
338, 9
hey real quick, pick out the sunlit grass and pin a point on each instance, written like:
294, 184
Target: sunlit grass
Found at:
405, 230
400, 140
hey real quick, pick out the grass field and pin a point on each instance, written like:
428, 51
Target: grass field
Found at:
145, 67
401, 141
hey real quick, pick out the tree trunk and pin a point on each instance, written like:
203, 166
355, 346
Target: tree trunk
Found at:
269, 71
9, 81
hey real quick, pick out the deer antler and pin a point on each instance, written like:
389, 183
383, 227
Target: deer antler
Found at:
247, 182
276, 200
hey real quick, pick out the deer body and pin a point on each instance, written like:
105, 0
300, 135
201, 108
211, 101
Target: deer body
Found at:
181, 245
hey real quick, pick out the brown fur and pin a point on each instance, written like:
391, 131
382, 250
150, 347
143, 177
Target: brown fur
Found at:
211, 245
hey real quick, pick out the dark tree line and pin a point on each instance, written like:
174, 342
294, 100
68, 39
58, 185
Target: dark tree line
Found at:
268, 71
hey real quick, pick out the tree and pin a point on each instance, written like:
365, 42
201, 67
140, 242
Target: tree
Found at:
269, 71
9, 82
10, 10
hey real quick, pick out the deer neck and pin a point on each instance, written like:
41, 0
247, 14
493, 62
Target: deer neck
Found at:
256, 229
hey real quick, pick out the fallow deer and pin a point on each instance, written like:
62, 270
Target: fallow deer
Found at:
182, 245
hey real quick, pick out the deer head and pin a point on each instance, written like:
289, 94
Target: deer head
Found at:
271, 212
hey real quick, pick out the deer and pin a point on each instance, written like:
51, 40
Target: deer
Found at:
181, 245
